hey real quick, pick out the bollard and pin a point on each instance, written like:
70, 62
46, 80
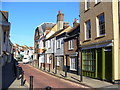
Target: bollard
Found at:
22, 78
66, 71
31, 82
49, 67
18, 73
48, 88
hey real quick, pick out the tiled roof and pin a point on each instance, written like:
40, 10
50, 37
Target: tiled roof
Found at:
65, 30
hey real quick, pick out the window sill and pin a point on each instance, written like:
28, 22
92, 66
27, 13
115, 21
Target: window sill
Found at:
71, 49
97, 3
87, 40
100, 36
87, 10
73, 69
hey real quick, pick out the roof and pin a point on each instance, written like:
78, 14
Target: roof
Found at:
53, 30
74, 28
65, 30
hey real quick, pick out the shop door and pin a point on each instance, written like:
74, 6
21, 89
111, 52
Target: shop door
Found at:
108, 63
99, 64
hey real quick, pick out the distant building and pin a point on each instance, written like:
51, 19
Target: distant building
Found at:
39, 44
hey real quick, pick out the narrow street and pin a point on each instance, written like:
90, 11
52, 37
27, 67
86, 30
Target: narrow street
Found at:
42, 79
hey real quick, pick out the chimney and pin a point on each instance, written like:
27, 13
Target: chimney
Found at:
60, 19
5, 13
60, 16
75, 23
65, 25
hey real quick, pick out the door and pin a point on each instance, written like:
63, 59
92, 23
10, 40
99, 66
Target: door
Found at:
108, 63
99, 64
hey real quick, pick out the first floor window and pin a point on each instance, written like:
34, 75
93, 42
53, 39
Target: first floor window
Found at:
87, 30
100, 25
58, 44
87, 4
73, 62
71, 44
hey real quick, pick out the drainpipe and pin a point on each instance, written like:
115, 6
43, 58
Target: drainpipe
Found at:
79, 59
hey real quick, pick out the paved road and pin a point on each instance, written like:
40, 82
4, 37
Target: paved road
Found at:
42, 79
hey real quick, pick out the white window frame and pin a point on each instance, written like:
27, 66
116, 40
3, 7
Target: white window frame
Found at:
75, 63
98, 25
58, 61
49, 44
58, 44
86, 4
71, 44
86, 31
97, 1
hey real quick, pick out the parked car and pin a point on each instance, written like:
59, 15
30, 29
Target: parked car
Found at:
19, 57
26, 59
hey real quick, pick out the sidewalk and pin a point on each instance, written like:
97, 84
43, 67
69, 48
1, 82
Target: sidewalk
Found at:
94, 83
16, 84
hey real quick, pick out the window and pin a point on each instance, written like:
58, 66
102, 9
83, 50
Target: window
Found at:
37, 45
97, 1
87, 4
4, 37
58, 44
88, 57
73, 63
71, 44
100, 25
49, 44
87, 30
58, 61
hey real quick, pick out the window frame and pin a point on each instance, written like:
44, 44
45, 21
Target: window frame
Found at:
98, 25
75, 63
87, 31
58, 44
71, 44
87, 4
58, 61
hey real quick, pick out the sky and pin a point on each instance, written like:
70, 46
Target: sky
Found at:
26, 16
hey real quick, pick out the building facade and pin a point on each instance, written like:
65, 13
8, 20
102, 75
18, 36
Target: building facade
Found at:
5, 43
71, 52
99, 39
39, 43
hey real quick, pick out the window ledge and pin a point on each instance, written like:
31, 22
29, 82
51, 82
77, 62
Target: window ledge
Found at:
100, 36
73, 69
87, 10
71, 49
97, 3
87, 40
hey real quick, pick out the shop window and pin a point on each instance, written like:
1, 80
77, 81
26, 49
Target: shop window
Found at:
89, 60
